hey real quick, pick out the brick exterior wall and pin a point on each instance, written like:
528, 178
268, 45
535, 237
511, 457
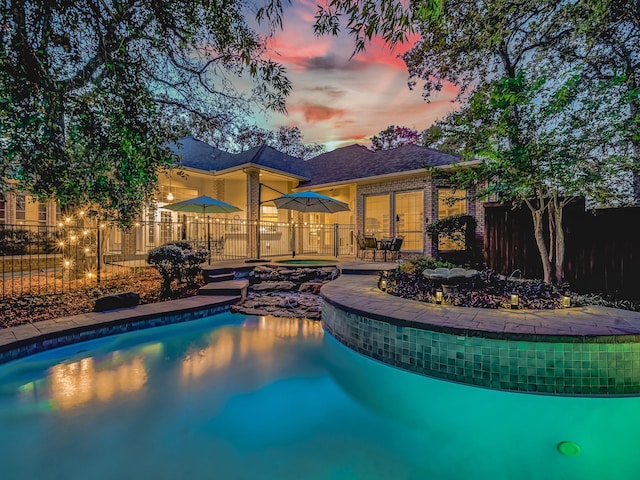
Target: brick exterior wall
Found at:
422, 182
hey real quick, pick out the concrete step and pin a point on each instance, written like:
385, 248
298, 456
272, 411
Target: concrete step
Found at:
229, 287
217, 270
221, 277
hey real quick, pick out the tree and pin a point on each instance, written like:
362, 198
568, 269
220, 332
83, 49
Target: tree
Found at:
435, 137
82, 84
606, 42
287, 140
555, 153
394, 136
497, 52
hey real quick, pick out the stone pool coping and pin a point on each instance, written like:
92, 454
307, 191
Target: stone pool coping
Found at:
20, 341
359, 294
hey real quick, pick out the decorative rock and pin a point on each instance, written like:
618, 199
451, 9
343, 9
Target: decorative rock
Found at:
119, 300
270, 286
450, 275
311, 287
273, 291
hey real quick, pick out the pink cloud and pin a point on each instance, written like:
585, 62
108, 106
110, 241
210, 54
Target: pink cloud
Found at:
317, 113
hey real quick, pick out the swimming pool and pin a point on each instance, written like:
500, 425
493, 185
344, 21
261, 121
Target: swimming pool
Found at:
244, 397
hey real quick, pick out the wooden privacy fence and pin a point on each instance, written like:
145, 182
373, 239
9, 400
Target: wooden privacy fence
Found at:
602, 247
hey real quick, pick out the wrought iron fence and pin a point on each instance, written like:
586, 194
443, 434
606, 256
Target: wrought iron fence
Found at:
37, 260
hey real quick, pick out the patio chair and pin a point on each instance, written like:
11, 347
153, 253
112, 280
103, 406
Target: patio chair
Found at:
359, 245
396, 245
370, 245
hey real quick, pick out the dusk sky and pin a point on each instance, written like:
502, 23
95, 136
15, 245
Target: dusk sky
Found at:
339, 101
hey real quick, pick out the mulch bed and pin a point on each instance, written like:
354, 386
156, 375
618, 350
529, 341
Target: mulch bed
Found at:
36, 308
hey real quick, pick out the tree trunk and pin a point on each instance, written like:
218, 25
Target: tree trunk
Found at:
558, 211
634, 107
542, 246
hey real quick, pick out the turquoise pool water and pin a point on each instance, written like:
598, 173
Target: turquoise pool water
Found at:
240, 397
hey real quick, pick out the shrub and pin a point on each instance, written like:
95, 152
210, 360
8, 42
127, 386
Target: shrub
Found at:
176, 263
14, 242
420, 264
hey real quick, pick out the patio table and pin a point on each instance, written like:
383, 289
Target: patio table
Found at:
384, 245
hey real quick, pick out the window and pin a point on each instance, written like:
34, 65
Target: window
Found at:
3, 209
451, 202
21, 207
268, 213
376, 215
42, 213
409, 211
151, 227
166, 227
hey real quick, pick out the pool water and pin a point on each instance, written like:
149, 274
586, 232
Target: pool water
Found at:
244, 397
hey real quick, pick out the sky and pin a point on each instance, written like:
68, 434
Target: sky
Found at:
338, 100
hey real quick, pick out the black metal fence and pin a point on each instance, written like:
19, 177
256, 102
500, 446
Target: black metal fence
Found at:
37, 259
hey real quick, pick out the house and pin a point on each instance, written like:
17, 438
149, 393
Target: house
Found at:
389, 193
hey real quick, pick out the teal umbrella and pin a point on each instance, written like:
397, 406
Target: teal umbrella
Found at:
310, 202
203, 205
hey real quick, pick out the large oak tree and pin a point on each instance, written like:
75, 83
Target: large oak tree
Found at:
83, 83
526, 116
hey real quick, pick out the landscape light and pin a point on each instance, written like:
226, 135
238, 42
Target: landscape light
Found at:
514, 301
566, 301
382, 283
439, 297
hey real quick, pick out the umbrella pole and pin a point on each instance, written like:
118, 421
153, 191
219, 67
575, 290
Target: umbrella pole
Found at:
209, 238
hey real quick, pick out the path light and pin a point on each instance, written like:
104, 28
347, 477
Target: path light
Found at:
514, 301
439, 297
566, 301
382, 283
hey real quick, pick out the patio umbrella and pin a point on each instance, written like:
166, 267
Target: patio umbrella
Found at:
310, 202
203, 205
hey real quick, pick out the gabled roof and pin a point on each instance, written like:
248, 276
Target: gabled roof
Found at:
346, 164
356, 162
196, 154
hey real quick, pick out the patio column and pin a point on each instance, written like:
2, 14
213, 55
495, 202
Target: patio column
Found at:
253, 210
